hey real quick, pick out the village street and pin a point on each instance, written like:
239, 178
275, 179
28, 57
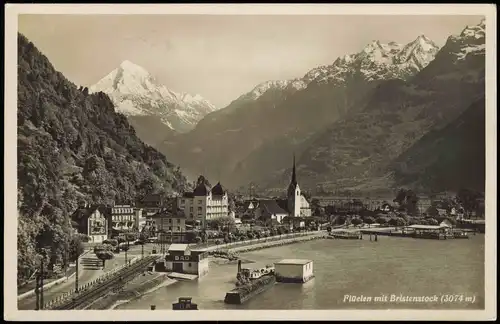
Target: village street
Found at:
90, 268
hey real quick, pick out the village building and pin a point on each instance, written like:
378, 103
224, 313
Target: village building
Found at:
91, 221
124, 219
269, 210
203, 203
181, 259
294, 205
169, 225
294, 270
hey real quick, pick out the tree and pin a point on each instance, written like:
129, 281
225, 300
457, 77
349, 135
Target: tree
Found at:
356, 221
340, 220
369, 220
432, 221
202, 180
76, 248
468, 199
104, 255
400, 197
102, 247
111, 242
382, 220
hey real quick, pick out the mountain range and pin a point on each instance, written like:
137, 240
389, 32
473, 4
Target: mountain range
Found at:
254, 138
147, 103
362, 150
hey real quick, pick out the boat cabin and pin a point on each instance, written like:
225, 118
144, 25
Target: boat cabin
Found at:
185, 303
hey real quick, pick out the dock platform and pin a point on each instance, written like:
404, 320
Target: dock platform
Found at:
182, 276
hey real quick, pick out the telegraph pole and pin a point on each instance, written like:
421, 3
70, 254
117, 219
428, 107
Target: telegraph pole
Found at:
37, 292
76, 274
126, 250
41, 285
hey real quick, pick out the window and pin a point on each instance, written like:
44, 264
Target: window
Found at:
170, 228
170, 220
178, 228
189, 264
200, 201
182, 201
199, 209
191, 209
178, 221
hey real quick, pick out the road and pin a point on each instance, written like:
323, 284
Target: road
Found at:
90, 268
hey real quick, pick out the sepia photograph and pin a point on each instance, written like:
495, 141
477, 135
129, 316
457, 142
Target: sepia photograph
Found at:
250, 162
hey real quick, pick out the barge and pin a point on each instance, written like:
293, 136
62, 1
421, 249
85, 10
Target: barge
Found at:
251, 282
244, 292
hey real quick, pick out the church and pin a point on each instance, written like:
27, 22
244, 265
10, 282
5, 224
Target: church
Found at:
294, 205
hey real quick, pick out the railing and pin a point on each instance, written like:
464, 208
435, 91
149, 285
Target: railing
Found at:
107, 277
260, 240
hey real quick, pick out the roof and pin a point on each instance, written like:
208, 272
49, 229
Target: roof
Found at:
178, 247
218, 190
152, 198
427, 226
188, 194
168, 213
199, 250
272, 207
201, 190
283, 203
81, 213
294, 261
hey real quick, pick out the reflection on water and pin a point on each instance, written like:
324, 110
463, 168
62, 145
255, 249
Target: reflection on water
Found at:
348, 267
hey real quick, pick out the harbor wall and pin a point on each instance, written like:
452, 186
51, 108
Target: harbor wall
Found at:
269, 244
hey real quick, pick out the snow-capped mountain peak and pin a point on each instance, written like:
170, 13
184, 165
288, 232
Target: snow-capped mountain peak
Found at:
135, 92
263, 87
471, 41
375, 61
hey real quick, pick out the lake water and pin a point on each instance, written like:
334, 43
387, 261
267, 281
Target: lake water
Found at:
399, 266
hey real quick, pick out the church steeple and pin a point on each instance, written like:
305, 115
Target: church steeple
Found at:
294, 174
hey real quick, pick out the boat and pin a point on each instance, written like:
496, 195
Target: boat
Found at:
461, 235
185, 303
345, 235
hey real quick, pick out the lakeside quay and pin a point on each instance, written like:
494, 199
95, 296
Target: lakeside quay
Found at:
262, 243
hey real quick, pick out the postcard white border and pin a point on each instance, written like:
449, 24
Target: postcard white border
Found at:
10, 138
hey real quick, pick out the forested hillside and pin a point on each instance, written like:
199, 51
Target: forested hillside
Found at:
73, 146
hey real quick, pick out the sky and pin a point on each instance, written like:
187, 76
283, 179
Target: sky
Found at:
219, 57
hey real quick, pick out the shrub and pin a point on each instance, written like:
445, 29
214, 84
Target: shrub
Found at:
104, 255
110, 242
103, 247
356, 221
